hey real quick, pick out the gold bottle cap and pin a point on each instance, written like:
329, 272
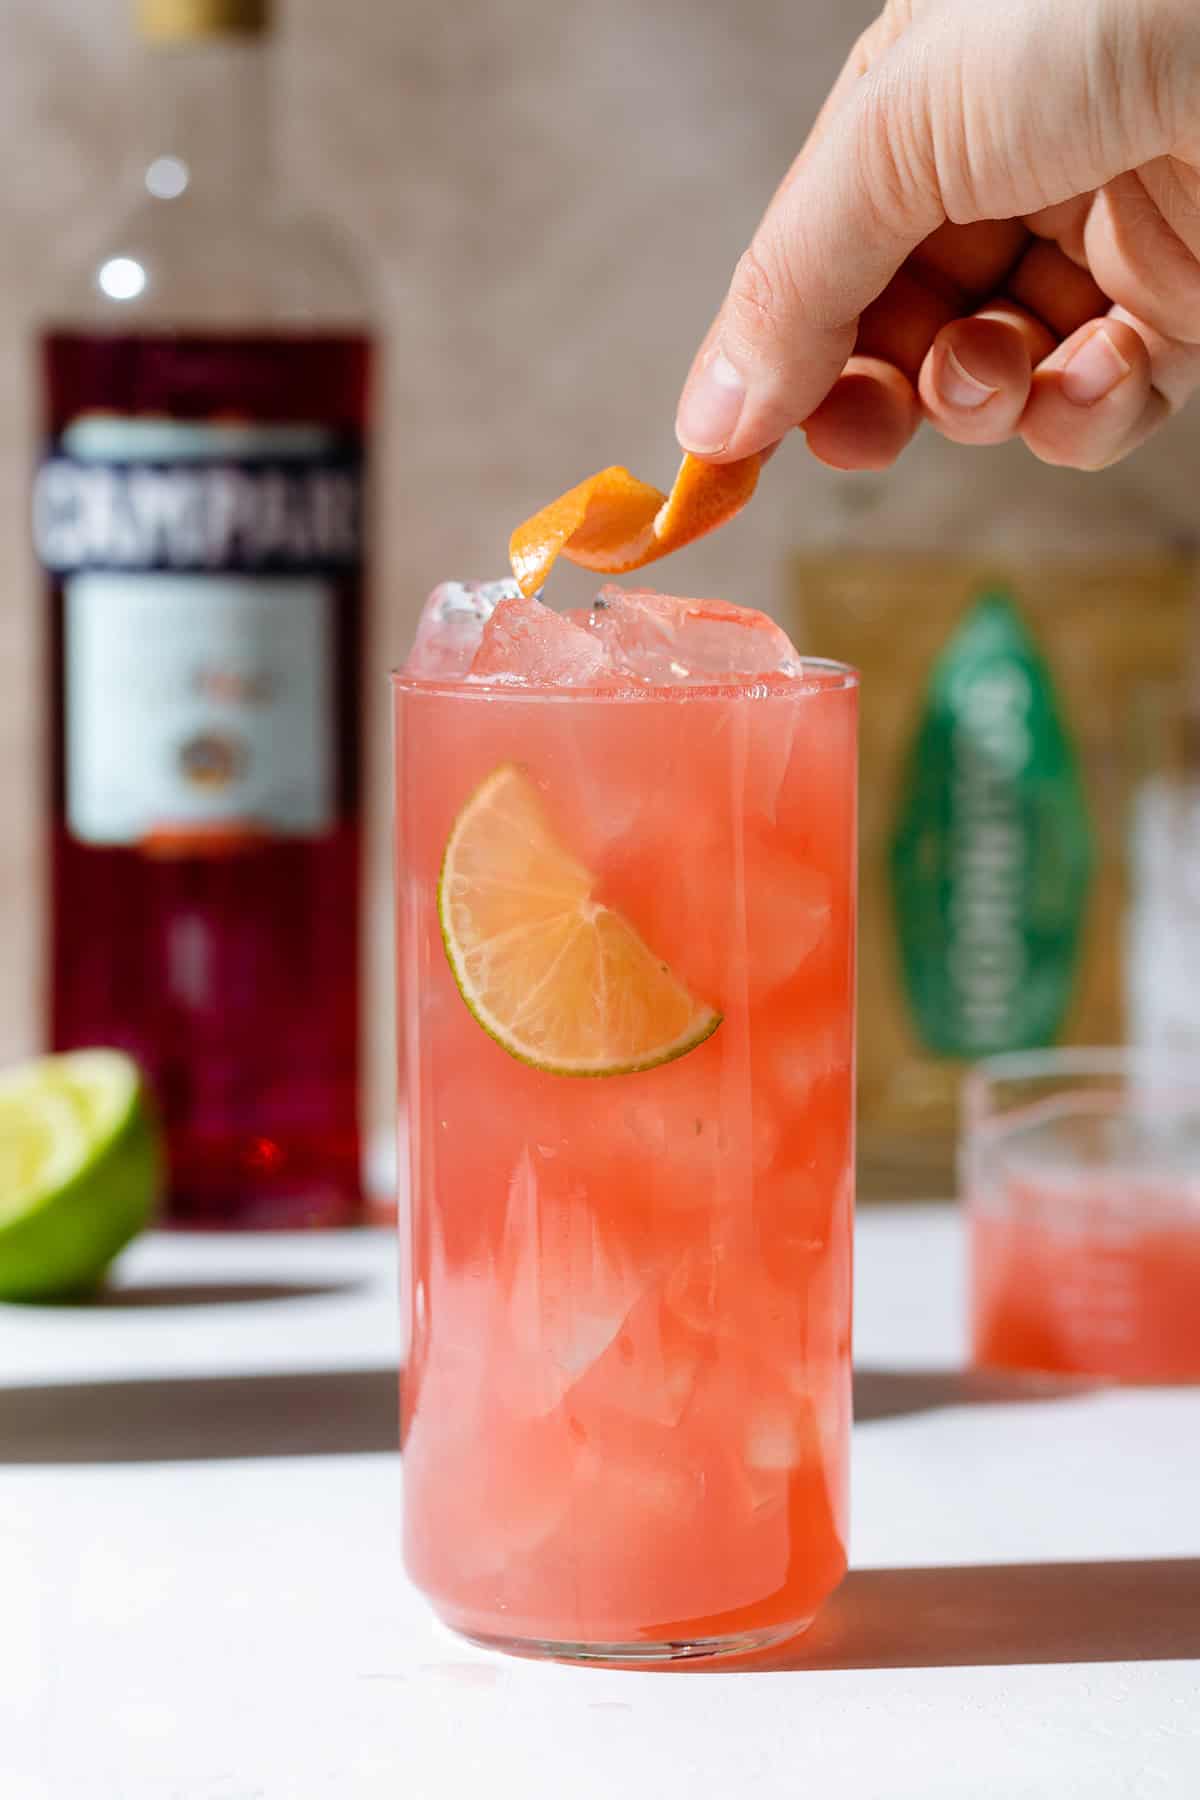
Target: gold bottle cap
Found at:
175, 21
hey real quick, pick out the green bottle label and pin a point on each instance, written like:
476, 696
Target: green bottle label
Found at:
992, 857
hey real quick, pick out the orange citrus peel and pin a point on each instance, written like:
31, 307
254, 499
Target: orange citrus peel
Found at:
613, 522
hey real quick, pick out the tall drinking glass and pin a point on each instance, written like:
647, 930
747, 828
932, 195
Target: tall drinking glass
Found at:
626, 1414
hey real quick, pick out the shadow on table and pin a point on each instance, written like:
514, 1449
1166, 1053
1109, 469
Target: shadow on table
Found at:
331, 1413
1095, 1612
895, 1393
211, 1293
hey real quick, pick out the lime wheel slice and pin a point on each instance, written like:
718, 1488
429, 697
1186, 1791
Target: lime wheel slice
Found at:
558, 979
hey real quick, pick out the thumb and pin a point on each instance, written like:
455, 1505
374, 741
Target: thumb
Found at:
858, 200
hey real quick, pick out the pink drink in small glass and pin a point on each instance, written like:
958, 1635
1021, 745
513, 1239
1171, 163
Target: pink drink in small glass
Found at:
1083, 1186
627, 1384
1100, 1296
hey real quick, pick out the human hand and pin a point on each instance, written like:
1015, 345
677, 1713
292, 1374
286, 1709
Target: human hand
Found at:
995, 225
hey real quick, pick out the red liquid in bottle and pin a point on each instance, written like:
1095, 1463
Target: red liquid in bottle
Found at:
205, 820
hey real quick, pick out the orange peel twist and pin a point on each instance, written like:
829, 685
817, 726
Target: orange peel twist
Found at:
612, 522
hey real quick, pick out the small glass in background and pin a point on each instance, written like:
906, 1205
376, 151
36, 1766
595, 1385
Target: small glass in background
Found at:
1081, 1175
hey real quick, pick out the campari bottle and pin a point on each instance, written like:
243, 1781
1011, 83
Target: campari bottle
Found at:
198, 513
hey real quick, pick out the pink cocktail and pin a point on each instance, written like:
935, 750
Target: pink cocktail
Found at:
627, 1384
1082, 1175
1091, 1298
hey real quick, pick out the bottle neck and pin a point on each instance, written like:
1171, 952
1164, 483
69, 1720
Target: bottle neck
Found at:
208, 128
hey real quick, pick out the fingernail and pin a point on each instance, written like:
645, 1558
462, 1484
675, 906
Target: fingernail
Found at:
1094, 371
711, 406
958, 387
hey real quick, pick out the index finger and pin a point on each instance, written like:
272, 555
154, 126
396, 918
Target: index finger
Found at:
836, 232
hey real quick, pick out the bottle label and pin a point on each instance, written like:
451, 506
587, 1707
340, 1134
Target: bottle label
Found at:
992, 857
198, 565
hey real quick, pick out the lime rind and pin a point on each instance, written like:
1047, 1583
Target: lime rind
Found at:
704, 1020
97, 1168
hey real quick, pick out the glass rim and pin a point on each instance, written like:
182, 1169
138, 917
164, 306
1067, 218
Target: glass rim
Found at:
985, 1081
1079, 1059
833, 677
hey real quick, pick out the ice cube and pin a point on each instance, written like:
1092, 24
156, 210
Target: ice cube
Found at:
799, 1053
451, 627
727, 1296
665, 641
485, 1499
564, 1291
779, 1431
526, 642
756, 917
648, 1373
632, 1487
699, 1137
788, 912
648, 1512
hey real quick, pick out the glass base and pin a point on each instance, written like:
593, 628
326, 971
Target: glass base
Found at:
637, 1655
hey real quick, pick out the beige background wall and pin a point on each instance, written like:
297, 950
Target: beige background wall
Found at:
553, 192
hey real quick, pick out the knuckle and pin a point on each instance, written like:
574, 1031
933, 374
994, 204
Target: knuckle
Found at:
866, 48
899, 175
763, 297
882, 33
872, 43
1162, 41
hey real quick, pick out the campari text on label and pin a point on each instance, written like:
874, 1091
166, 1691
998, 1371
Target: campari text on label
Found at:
193, 497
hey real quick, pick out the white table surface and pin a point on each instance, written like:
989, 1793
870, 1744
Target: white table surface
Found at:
201, 1596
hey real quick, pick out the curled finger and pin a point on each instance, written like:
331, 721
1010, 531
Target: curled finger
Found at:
975, 382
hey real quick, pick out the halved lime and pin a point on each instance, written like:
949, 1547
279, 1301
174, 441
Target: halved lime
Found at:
559, 980
80, 1171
